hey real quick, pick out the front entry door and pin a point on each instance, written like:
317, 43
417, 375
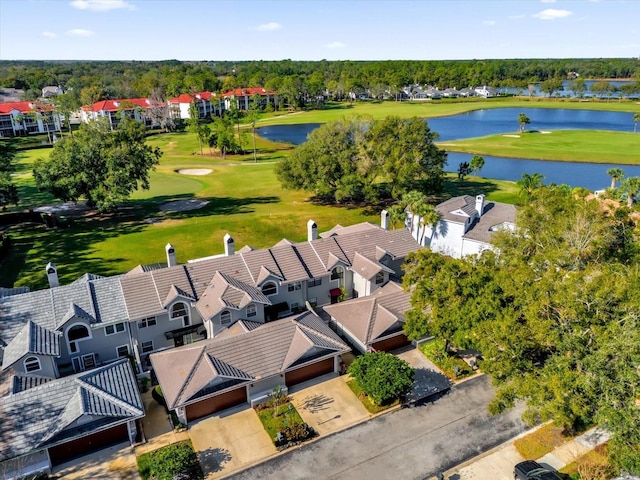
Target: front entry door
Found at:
178, 341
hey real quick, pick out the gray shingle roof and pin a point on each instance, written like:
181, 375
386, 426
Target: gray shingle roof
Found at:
264, 351
45, 414
495, 215
31, 339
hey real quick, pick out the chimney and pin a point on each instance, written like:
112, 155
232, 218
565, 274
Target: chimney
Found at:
229, 245
312, 230
52, 275
171, 255
480, 204
384, 219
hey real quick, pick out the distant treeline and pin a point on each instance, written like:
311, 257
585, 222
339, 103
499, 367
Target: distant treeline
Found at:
130, 79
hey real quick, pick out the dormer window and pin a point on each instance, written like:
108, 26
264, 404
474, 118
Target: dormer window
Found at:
251, 310
225, 317
32, 364
269, 288
338, 274
379, 278
75, 334
179, 311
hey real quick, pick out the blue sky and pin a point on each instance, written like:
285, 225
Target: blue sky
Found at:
315, 30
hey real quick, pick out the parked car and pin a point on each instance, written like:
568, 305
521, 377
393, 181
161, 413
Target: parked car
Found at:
530, 470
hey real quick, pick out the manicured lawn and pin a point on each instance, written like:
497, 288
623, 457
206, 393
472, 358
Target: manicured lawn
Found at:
287, 416
592, 146
434, 351
167, 462
366, 401
540, 442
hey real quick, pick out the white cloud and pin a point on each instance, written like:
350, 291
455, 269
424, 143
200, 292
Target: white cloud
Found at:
101, 5
489, 23
49, 34
336, 45
79, 32
266, 27
552, 14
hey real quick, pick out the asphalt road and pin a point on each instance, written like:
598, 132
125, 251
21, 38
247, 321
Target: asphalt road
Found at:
409, 443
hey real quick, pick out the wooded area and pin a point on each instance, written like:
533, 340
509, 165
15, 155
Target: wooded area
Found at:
119, 79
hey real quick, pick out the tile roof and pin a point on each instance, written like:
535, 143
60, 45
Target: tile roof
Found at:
225, 291
125, 103
188, 98
266, 350
46, 414
247, 91
7, 292
369, 318
32, 339
23, 107
464, 203
494, 217
368, 268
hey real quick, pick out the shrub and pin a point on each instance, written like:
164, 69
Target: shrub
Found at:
383, 377
169, 462
158, 396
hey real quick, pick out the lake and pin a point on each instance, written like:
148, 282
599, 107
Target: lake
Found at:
480, 123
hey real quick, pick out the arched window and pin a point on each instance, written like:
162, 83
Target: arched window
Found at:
179, 311
269, 288
338, 274
77, 333
379, 278
32, 364
225, 317
251, 310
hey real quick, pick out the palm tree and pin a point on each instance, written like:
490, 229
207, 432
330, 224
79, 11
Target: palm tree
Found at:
636, 119
615, 174
631, 186
523, 121
410, 200
396, 215
429, 217
529, 183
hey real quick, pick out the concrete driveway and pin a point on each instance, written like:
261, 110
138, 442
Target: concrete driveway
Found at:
114, 463
328, 404
229, 441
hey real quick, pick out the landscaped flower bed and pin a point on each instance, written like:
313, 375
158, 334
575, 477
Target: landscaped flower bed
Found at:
453, 367
284, 424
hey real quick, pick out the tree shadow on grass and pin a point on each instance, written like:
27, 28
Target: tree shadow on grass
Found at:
470, 186
214, 206
213, 459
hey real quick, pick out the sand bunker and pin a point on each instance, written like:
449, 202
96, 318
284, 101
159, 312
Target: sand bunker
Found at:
68, 207
183, 205
545, 131
512, 136
195, 171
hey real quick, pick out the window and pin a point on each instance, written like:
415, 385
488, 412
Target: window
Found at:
294, 286
379, 278
225, 317
316, 282
77, 333
122, 351
251, 310
147, 347
32, 364
294, 306
147, 322
269, 288
111, 329
179, 310
88, 361
337, 273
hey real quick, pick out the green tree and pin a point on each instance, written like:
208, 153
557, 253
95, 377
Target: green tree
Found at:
412, 201
578, 87
397, 214
428, 216
223, 136
8, 190
523, 121
528, 184
476, 164
603, 88
616, 175
195, 123
630, 188
104, 167
253, 115
636, 119
551, 85
383, 377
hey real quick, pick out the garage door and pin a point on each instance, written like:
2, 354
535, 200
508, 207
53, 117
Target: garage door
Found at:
300, 375
391, 343
217, 403
90, 443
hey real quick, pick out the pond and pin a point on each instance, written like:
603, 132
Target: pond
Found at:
504, 120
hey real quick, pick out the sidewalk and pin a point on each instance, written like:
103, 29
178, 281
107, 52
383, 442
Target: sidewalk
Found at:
497, 464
